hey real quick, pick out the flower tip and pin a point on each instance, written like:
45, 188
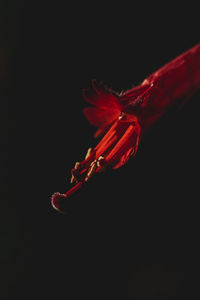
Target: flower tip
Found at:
56, 200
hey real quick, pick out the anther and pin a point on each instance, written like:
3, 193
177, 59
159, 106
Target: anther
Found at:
73, 178
100, 161
91, 170
122, 116
88, 153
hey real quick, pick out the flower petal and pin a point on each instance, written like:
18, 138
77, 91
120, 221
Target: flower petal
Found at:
124, 158
101, 97
104, 92
101, 117
133, 93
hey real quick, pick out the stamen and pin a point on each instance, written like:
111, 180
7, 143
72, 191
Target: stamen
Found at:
88, 153
121, 142
74, 172
100, 161
122, 116
91, 170
96, 164
107, 136
102, 150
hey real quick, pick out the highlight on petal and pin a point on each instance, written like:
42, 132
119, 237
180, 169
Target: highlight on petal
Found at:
107, 107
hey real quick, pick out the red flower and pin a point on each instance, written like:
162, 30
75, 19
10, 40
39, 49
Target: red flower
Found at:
123, 118
118, 117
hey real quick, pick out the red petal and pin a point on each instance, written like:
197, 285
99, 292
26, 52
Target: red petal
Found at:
101, 117
133, 93
104, 92
101, 131
100, 97
124, 158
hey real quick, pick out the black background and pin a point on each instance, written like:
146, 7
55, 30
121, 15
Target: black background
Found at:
133, 232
